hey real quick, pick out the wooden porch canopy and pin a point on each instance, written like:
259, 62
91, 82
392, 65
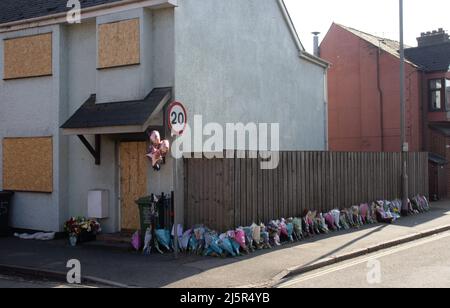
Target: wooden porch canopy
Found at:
126, 117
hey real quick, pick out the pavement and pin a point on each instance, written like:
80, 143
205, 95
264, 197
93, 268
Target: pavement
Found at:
265, 268
421, 264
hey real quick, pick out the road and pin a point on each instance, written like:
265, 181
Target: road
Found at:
19, 282
420, 264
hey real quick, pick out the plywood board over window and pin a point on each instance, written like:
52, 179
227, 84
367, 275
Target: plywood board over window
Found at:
28, 164
119, 44
29, 56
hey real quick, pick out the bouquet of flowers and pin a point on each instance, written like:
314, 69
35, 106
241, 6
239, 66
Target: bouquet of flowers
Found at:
76, 226
298, 229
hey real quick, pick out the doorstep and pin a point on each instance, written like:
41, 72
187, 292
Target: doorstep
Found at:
119, 241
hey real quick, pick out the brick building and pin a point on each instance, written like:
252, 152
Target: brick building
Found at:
364, 96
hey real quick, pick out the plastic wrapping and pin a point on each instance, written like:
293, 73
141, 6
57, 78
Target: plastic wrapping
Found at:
298, 229
322, 225
344, 220
265, 236
290, 231
184, 241
136, 241
274, 233
226, 245
148, 242
249, 238
256, 230
330, 222
337, 218
212, 247
364, 212
163, 238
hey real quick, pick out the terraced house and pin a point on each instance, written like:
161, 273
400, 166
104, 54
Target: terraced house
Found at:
364, 96
77, 100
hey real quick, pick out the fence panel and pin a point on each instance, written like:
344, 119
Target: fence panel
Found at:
226, 193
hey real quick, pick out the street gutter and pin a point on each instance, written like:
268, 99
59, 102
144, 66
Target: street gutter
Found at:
56, 276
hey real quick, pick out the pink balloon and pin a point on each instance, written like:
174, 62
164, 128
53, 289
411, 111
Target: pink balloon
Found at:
154, 155
164, 147
155, 138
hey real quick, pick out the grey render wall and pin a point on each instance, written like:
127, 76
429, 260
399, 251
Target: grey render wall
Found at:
30, 108
39, 106
130, 82
163, 49
125, 83
163, 74
236, 61
83, 175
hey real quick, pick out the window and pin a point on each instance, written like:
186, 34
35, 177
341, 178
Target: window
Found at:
436, 94
28, 164
29, 56
119, 44
447, 94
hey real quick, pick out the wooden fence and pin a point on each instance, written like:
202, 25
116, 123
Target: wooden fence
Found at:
225, 193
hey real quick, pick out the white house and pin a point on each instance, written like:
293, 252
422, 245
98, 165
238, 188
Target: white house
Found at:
76, 100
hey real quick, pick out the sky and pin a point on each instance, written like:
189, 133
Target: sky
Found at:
378, 17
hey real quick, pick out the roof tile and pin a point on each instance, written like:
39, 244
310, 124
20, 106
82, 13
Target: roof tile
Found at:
16, 10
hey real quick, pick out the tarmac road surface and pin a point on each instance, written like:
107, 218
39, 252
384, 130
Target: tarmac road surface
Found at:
420, 264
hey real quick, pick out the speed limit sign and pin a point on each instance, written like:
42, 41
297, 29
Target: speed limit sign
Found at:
177, 118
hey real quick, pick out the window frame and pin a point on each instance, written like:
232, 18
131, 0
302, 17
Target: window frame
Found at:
443, 95
447, 93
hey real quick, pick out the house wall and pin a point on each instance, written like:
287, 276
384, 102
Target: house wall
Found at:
440, 144
435, 116
163, 67
83, 174
135, 80
246, 67
364, 96
30, 108
155, 70
236, 61
39, 106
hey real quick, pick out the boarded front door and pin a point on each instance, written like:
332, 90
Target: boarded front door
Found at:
133, 181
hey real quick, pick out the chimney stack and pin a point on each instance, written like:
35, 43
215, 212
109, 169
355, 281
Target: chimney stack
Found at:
316, 44
435, 37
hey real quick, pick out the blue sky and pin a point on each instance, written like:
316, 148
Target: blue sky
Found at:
379, 17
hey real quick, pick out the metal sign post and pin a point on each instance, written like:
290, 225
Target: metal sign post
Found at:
177, 121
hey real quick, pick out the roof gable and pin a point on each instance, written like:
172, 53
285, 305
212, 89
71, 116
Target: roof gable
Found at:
390, 46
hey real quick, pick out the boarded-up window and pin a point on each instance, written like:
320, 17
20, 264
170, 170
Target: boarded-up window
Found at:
119, 44
28, 164
29, 56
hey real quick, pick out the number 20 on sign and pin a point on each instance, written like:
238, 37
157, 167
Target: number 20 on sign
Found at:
177, 118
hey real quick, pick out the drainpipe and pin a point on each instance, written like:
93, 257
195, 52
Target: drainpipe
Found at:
326, 125
424, 104
381, 100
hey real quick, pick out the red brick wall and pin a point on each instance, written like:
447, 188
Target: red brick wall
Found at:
356, 116
438, 145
